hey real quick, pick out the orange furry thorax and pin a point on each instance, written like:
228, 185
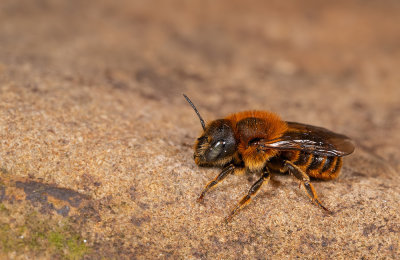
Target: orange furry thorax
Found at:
253, 125
257, 124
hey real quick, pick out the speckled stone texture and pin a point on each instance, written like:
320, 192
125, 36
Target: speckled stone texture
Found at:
95, 133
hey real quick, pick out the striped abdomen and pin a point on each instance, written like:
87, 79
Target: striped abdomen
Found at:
320, 167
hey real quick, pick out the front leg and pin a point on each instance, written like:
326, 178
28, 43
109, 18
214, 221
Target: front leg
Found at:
224, 173
252, 192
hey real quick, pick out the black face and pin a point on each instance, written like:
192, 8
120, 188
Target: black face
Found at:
216, 145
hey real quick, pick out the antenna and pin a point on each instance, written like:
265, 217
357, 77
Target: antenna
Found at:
197, 112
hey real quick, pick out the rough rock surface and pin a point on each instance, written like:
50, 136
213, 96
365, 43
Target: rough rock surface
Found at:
96, 138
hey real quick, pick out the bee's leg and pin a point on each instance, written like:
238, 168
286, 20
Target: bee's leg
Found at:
305, 180
225, 172
252, 192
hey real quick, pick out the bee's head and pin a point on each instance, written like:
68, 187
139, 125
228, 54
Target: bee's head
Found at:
217, 144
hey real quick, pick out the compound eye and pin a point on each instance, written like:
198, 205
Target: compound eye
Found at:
216, 149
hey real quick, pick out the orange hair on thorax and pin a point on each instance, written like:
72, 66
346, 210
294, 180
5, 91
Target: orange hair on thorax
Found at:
252, 125
270, 125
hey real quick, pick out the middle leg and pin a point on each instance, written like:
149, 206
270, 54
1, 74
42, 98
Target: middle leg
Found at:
252, 192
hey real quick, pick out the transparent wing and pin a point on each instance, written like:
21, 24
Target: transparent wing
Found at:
312, 139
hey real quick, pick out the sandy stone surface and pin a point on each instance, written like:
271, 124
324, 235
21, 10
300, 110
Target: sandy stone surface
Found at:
96, 138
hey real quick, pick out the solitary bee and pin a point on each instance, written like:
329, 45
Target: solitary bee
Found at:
259, 142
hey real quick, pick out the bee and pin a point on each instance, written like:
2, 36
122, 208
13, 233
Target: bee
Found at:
260, 142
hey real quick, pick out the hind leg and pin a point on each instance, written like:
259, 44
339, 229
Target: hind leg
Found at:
305, 181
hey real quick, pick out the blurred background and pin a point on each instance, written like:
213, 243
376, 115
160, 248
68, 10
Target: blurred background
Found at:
83, 81
311, 57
